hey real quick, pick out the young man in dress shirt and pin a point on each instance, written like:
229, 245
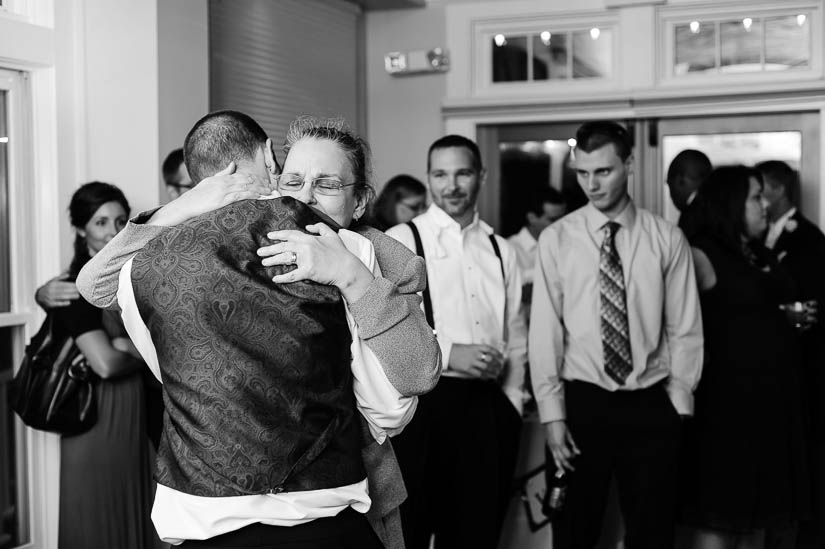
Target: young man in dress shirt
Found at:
458, 454
800, 246
547, 207
615, 349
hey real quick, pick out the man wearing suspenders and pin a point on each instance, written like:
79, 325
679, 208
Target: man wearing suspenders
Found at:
459, 452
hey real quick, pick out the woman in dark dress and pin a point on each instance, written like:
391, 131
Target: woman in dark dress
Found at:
105, 481
746, 473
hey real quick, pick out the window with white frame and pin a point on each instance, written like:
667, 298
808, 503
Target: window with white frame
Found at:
743, 45
559, 55
750, 41
15, 525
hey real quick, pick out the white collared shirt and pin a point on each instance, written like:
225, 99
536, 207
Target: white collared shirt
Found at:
525, 247
663, 313
469, 300
179, 516
776, 228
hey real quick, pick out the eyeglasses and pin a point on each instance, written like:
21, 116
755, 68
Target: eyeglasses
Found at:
322, 185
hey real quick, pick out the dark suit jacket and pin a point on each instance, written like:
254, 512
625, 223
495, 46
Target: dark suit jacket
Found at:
801, 250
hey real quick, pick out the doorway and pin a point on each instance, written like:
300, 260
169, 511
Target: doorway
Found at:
520, 157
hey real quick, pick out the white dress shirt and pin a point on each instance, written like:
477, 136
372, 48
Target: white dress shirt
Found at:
663, 313
179, 516
775, 229
525, 247
470, 303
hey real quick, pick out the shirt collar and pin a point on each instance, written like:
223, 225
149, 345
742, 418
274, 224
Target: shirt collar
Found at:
785, 217
596, 220
444, 222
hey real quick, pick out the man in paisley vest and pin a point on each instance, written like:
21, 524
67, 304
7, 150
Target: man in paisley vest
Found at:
262, 405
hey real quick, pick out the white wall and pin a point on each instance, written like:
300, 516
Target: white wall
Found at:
121, 85
131, 79
403, 113
183, 69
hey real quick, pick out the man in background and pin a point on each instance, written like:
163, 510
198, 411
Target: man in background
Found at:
615, 349
800, 246
459, 452
175, 174
547, 207
685, 176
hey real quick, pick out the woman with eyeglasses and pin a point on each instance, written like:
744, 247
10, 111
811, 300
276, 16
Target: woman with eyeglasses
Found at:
402, 198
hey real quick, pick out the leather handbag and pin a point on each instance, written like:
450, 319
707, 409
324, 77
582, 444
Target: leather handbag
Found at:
54, 388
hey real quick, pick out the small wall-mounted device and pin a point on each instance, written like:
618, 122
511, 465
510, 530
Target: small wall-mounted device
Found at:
416, 62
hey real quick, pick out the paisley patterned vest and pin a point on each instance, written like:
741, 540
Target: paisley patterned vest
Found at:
256, 376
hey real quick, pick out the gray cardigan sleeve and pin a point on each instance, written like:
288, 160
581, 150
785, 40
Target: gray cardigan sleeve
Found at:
391, 321
98, 279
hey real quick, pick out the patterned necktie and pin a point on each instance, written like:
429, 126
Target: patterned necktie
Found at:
615, 334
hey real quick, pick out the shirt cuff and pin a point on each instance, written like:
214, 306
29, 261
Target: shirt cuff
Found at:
552, 409
682, 400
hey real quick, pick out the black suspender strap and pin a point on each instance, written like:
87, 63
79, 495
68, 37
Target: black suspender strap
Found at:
419, 250
498, 255
428, 304
504, 327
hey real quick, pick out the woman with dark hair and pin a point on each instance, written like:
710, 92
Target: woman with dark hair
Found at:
401, 199
745, 470
105, 482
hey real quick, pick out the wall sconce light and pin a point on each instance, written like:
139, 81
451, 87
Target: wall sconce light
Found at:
417, 62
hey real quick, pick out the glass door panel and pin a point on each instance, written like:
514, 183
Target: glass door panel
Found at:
792, 138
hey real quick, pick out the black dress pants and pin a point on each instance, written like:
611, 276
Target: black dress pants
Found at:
634, 436
458, 455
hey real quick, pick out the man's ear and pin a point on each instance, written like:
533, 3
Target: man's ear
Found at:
269, 158
482, 176
628, 164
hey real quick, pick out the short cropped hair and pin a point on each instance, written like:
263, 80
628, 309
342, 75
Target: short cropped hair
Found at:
171, 166
219, 138
595, 135
782, 175
457, 141
692, 162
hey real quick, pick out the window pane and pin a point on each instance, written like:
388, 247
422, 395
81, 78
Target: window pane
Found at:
741, 45
787, 42
592, 53
695, 47
509, 58
13, 531
5, 282
550, 53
